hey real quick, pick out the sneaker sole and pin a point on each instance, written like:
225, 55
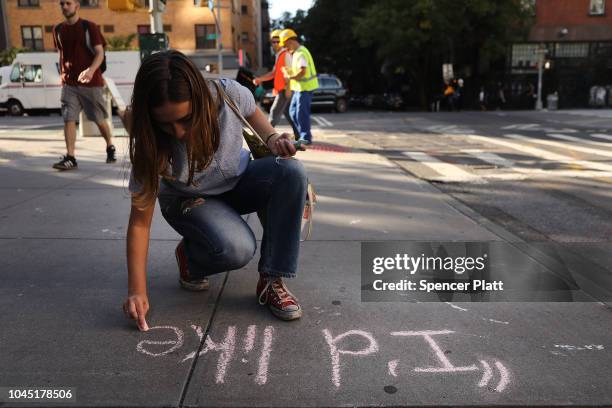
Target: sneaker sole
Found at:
64, 168
293, 315
194, 287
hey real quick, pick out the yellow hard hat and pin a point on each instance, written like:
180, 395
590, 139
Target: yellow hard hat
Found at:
286, 34
275, 33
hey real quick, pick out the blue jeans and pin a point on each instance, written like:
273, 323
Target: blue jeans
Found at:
299, 110
217, 239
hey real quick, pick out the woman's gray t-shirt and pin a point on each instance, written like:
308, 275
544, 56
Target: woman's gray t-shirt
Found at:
230, 159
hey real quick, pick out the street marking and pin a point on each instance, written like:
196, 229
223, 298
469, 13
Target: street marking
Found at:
488, 374
447, 366
392, 365
602, 136
448, 172
451, 129
580, 348
489, 157
326, 122
545, 154
249, 341
335, 351
533, 127
358, 343
578, 140
264, 359
321, 121
176, 344
597, 152
504, 377
522, 173
318, 120
456, 307
524, 126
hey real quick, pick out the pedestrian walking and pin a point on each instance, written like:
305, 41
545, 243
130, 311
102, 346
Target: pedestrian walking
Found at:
81, 51
303, 81
282, 92
449, 96
501, 96
482, 98
185, 147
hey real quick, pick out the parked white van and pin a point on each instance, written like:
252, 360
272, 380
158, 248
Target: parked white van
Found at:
34, 79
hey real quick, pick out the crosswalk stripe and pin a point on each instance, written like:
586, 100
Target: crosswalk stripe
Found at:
545, 154
447, 171
489, 157
597, 152
326, 122
602, 136
318, 120
578, 140
522, 173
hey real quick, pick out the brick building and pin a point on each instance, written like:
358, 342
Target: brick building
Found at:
188, 25
577, 35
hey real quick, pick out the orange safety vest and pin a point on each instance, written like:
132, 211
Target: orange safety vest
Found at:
279, 78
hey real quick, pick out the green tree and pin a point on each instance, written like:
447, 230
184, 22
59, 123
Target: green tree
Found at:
121, 43
418, 36
8, 55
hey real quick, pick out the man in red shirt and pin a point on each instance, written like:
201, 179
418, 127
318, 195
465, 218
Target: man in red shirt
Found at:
281, 90
82, 82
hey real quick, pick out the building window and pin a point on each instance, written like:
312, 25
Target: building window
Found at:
571, 50
144, 29
597, 7
244, 10
245, 36
32, 37
524, 56
167, 28
28, 3
205, 36
89, 3
109, 28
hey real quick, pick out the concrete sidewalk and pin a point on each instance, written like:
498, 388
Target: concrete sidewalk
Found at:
62, 239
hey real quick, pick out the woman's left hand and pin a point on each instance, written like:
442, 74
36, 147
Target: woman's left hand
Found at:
282, 145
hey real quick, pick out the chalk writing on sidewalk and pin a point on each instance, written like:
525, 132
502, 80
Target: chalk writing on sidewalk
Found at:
495, 376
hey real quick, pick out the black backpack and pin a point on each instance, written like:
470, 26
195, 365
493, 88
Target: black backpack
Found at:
87, 41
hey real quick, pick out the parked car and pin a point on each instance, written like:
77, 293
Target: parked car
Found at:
331, 93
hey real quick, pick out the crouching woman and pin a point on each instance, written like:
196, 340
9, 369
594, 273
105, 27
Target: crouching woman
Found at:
186, 151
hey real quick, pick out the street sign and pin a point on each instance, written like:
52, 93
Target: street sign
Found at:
447, 72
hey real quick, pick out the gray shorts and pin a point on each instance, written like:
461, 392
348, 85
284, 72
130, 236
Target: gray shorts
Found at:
89, 99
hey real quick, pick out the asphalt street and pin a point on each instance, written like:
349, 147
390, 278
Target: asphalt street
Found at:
516, 179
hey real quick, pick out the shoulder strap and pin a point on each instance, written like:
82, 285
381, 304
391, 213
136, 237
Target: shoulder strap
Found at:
85, 24
228, 101
57, 35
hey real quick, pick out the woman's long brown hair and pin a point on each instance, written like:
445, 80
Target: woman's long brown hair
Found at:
169, 76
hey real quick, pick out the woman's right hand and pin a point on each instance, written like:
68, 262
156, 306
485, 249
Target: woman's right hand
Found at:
136, 308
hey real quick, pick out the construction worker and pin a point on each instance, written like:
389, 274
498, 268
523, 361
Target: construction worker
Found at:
303, 81
281, 89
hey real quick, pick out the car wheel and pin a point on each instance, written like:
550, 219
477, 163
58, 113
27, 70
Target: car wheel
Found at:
15, 108
341, 106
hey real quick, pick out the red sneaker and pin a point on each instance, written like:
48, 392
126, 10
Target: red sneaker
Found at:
273, 292
184, 279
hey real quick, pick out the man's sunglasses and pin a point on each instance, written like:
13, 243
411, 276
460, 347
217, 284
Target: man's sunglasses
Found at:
275, 42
